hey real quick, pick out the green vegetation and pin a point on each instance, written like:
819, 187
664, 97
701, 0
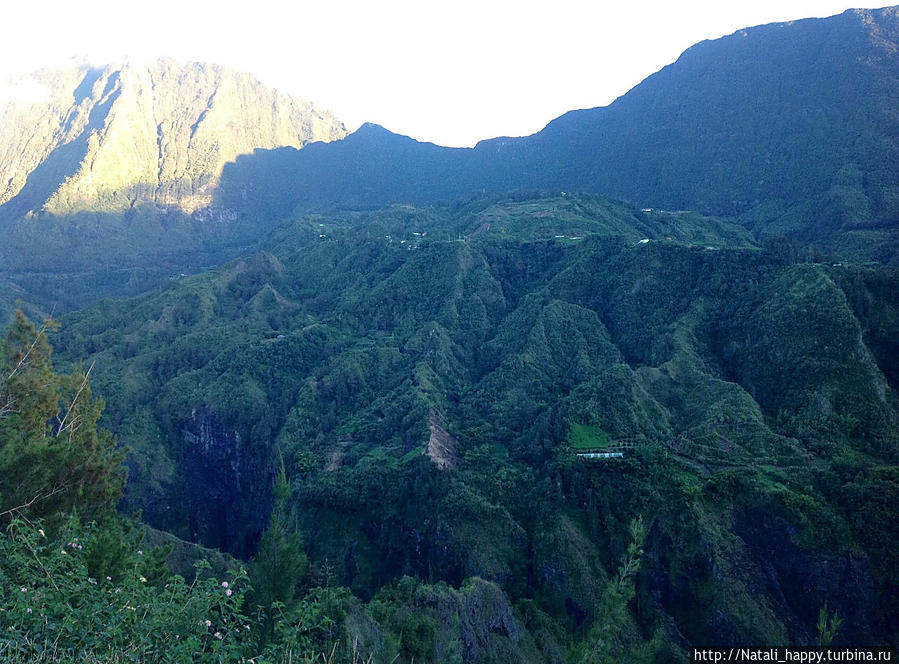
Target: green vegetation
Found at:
586, 437
56, 609
93, 592
52, 455
376, 413
423, 394
788, 128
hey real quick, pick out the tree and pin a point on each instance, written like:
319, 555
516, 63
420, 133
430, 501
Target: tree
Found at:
827, 626
613, 636
279, 565
53, 458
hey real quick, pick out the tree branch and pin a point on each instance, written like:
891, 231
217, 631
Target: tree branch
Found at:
59, 488
74, 401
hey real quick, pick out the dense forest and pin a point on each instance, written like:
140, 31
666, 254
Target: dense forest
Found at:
789, 128
373, 400
390, 407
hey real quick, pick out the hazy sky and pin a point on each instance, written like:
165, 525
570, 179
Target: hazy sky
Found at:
449, 72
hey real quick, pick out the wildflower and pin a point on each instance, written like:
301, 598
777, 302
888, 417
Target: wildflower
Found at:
62, 551
28, 610
143, 579
118, 590
93, 582
218, 635
224, 584
228, 592
139, 552
24, 589
207, 622
109, 578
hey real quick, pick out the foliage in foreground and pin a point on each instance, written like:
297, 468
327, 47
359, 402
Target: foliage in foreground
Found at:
52, 609
52, 454
74, 592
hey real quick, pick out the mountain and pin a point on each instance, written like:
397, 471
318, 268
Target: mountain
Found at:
427, 376
789, 127
541, 425
108, 174
107, 139
115, 179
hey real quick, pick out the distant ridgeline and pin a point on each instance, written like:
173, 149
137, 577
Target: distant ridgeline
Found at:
428, 374
108, 175
789, 128
425, 340
117, 178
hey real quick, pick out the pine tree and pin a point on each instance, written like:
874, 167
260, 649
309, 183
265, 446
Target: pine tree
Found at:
53, 458
280, 564
613, 637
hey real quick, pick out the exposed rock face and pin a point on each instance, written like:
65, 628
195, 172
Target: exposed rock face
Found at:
799, 582
107, 139
476, 624
441, 444
227, 484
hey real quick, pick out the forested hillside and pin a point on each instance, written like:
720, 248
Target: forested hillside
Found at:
788, 127
135, 174
108, 174
427, 377
385, 401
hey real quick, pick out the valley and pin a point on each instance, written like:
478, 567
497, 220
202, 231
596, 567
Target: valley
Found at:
610, 392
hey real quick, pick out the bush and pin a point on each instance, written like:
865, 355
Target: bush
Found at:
51, 610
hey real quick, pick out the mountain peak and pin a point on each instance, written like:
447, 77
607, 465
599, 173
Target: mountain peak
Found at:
112, 136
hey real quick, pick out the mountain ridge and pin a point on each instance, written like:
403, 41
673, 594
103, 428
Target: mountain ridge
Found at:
788, 127
115, 136
108, 174
432, 384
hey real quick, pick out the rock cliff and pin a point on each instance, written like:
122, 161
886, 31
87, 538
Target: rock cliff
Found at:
111, 138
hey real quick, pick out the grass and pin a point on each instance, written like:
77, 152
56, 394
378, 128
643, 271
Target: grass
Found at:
587, 436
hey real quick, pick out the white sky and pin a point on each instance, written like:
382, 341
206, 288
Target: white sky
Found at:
451, 72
